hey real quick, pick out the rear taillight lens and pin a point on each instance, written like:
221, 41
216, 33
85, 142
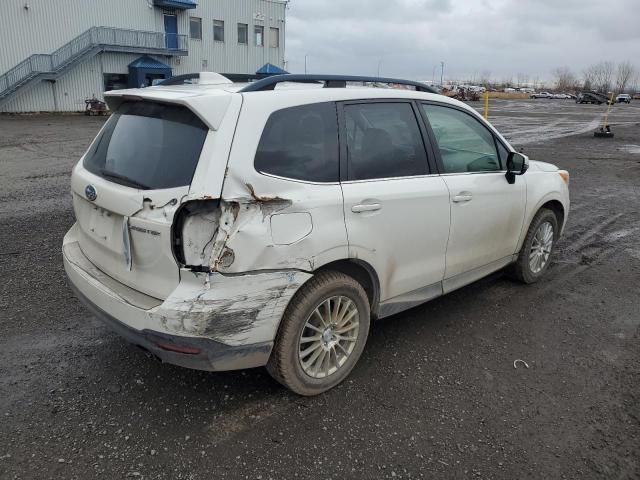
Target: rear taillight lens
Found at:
172, 347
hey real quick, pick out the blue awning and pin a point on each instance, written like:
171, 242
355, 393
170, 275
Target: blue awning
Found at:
149, 63
179, 4
145, 70
270, 69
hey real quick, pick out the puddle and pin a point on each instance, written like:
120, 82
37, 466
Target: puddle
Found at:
630, 149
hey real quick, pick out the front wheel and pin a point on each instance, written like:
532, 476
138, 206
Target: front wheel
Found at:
535, 254
322, 334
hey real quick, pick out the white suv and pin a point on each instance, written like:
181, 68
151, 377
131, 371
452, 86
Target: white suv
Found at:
222, 227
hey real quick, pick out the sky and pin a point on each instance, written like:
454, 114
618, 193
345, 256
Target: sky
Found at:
506, 39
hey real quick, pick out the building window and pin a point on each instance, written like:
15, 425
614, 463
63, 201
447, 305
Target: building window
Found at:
116, 81
258, 33
243, 33
274, 39
218, 30
195, 28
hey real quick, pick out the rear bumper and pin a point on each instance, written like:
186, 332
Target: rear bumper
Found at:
211, 356
223, 322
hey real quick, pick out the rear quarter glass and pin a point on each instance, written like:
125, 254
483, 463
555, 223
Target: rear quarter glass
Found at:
149, 146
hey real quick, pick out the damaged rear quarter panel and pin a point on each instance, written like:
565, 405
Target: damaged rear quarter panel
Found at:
250, 240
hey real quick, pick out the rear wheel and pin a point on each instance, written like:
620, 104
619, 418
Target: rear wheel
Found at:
535, 255
322, 334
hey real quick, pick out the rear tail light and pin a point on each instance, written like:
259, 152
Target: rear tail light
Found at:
194, 227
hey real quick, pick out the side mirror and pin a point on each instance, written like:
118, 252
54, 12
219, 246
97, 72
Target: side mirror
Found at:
517, 164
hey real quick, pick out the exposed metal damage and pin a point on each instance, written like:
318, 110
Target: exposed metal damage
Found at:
208, 228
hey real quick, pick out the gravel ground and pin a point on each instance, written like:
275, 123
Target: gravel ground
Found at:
436, 394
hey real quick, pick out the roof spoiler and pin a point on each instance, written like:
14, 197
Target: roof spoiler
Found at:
330, 81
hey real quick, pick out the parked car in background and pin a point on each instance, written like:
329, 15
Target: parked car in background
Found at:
222, 227
623, 98
541, 95
561, 96
592, 97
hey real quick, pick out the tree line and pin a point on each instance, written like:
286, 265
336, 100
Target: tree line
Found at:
603, 76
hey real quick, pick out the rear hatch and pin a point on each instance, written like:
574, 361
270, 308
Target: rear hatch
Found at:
128, 186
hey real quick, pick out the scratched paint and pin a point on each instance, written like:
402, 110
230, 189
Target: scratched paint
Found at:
235, 310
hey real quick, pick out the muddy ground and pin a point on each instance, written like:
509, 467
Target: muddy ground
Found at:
436, 394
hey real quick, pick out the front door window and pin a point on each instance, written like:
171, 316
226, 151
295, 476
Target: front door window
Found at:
465, 144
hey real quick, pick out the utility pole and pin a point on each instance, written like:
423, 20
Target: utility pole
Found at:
441, 73
305, 63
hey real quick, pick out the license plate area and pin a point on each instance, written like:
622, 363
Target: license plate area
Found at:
101, 224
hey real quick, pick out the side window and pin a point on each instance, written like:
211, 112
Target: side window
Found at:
301, 143
383, 141
465, 144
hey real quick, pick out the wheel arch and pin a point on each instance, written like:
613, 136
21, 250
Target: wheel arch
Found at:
364, 274
558, 210
551, 202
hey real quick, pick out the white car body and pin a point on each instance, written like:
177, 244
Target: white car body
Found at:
251, 240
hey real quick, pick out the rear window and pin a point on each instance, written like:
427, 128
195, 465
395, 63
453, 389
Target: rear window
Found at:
301, 143
148, 146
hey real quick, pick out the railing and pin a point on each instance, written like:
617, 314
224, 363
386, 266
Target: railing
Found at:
94, 37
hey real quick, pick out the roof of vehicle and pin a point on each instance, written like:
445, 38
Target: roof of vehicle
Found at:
209, 98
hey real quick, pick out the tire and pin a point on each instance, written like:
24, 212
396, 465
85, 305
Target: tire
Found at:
523, 269
304, 312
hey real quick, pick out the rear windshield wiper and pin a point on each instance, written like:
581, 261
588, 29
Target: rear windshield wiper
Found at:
129, 182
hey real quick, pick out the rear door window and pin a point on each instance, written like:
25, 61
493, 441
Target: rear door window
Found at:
148, 146
301, 143
383, 141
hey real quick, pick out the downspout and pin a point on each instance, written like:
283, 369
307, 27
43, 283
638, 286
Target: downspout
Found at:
284, 36
54, 93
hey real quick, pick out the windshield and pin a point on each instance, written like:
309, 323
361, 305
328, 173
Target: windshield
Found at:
148, 146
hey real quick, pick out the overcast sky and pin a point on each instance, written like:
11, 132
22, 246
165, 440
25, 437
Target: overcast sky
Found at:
408, 38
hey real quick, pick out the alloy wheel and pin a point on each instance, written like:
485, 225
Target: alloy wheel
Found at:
541, 247
329, 336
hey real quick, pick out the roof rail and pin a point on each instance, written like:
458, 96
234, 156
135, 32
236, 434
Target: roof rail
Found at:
180, 79
330, 81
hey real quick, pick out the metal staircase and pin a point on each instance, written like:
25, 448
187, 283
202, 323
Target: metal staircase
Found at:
40, 67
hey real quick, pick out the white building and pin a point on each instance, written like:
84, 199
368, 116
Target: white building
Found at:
57, 53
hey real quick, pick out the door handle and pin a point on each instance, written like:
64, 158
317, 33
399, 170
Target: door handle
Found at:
366, 207
462, 197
